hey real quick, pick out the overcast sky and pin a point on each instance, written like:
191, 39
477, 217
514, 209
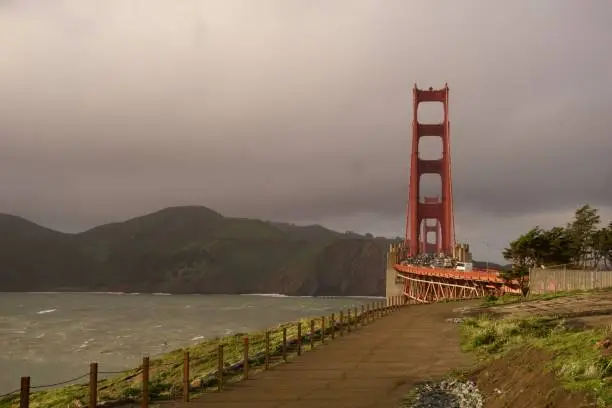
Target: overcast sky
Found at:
301, 110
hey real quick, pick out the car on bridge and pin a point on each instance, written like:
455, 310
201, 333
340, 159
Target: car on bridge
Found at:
464, 266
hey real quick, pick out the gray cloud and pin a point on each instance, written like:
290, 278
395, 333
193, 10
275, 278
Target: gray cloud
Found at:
301, 111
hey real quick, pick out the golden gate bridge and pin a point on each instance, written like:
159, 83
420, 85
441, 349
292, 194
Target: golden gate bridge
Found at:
418, 269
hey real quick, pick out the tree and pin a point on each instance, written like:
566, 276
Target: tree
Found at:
603, 246
537, 248
554, 247
580, 244
583, 233
523, 252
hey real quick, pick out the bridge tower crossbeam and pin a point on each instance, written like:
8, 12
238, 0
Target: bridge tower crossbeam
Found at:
431, 247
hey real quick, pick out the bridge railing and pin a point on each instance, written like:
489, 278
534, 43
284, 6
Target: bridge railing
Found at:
481, 275
208, 367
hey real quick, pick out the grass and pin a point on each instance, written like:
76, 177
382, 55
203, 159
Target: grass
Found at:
579, 365
166, 371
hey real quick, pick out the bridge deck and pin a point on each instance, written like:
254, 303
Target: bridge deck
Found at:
481, 276
372, 368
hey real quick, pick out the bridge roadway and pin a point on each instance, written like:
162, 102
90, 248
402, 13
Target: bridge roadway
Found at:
373, 367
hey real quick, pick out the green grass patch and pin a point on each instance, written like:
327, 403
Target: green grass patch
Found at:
575, 360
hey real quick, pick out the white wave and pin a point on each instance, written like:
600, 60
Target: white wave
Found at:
233, 308
161, 294
46, 311
279, 295
361, 297
44, 293
197, 338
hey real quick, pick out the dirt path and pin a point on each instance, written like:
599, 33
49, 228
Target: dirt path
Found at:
375, 367
592, 309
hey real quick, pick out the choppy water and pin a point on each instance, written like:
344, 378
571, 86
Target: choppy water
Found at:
54, 336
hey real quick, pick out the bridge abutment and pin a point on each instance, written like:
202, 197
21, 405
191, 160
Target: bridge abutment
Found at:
393, 286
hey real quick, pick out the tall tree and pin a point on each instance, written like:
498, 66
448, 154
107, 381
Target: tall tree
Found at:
580, 244
603, 246
523, 251
524, 254
583, 231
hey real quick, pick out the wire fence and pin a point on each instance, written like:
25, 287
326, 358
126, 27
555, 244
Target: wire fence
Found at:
207, 367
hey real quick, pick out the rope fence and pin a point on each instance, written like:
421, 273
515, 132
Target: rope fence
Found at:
207, 367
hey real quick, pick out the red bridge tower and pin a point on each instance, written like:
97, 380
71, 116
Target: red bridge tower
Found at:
440, 210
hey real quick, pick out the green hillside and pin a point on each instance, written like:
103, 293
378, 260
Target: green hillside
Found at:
190, 250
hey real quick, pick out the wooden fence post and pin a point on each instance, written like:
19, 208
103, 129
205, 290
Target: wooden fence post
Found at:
220, 366
299, 339
145, 383
284, 343
24, 395
322, 329
186, 376
349, 320
341, 318
267, 350
312, 334
356, 313
362, 315
93, 385
245, 358
332, 325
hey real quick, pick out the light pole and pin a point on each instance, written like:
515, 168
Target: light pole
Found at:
487, 259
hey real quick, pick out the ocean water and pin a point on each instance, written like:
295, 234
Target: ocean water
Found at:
54, 336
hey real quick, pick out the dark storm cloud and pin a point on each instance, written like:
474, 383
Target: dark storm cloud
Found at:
301, 110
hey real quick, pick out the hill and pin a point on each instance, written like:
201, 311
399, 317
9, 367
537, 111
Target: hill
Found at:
191, 250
